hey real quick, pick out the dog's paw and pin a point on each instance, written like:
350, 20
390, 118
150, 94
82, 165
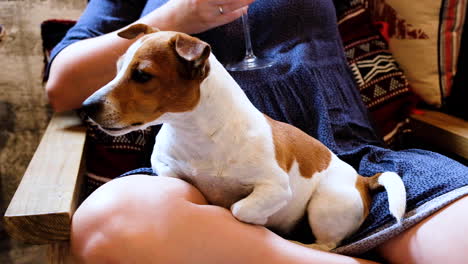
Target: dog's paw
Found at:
164, 170
245, 214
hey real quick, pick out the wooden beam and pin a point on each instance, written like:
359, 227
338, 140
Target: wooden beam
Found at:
41, 209
59, 253
443, 131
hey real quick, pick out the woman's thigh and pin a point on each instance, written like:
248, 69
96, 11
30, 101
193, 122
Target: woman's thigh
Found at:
132, 209
144, 219
441, 238
147, 219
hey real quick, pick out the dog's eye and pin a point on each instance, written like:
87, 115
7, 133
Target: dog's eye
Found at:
141, 76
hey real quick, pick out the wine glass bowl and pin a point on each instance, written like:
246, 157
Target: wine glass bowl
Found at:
250, 61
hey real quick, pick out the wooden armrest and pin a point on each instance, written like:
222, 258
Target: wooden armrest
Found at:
41, 209
443, 131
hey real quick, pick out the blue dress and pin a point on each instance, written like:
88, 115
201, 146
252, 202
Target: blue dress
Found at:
311, 87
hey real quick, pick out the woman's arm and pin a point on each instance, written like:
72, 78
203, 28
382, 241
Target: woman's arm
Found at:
85, 66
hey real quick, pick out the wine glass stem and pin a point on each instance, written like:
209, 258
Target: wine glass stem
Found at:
248, 43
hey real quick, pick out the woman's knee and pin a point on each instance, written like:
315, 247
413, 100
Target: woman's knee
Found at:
129, 215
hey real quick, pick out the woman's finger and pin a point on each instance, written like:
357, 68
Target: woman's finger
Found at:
231, 16
233, 5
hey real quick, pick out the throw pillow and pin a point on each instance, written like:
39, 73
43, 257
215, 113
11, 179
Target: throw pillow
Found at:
424, 36
382, 84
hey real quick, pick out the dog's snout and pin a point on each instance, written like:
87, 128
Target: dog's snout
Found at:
92, 107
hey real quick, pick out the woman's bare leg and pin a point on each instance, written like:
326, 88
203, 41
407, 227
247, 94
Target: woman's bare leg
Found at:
441, 238
142, 219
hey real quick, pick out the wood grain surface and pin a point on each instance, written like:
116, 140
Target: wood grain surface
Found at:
442, 131
41, 209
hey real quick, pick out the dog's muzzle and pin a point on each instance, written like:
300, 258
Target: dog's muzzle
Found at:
93, 107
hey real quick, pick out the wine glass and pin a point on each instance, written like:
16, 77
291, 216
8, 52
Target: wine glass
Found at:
250, 61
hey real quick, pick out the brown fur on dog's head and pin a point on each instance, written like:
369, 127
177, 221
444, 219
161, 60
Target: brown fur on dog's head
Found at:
160, 73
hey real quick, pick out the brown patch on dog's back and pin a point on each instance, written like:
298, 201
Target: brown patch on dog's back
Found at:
291, 144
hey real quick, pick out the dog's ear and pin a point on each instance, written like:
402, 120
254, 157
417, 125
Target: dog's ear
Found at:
195, 53
134, 30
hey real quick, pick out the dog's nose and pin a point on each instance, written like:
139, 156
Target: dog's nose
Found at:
92, 107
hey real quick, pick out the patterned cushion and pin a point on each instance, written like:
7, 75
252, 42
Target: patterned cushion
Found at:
382, 84
108, 157
424, 37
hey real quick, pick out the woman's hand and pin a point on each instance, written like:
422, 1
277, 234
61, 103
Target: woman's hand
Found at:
195, 16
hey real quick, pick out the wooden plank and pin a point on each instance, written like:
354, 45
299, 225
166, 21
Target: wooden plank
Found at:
441, 130
41, 209
59, 253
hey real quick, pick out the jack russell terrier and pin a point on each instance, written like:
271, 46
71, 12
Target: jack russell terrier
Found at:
267, 172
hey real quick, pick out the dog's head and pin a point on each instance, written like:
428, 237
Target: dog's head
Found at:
160, 73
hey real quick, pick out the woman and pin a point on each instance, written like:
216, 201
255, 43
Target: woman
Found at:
141, 219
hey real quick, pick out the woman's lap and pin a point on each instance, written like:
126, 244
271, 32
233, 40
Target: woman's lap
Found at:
426, 175
430, 187
440, 238
164, 220
439, 235
432, 182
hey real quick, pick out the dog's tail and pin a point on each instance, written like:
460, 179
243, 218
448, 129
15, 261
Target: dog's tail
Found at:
395, 188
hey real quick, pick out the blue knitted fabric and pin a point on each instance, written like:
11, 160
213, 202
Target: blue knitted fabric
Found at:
310, 86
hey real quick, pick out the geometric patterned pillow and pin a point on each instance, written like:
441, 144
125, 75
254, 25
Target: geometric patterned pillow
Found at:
383, 85
378, 76
108, 157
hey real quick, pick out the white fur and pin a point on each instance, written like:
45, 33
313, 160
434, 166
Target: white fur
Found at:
336, 208
224, 146
396, 193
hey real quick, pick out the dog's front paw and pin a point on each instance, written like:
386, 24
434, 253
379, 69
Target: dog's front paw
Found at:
164, 170
247, 214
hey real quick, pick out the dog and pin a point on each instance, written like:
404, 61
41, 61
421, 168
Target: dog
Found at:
266, 172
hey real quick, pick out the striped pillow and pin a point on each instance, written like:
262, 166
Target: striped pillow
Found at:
424, 36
